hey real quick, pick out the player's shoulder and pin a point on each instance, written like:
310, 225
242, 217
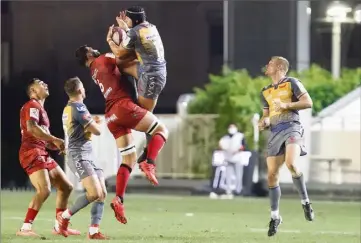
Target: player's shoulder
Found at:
266, 88
31, 104
293, 80
79, 107
105, 59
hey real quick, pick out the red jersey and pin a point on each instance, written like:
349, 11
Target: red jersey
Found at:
107, 76
32, 110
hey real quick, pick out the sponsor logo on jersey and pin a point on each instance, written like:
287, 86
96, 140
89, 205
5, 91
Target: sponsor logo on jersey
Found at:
81, 108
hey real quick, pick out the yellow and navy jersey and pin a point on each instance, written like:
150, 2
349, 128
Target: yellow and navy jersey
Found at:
145, 40
76, 118
287, 90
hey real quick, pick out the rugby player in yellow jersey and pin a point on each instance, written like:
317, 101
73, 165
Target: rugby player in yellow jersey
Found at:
282, 100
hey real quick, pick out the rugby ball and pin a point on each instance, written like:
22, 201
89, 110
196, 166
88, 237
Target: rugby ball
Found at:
118, 35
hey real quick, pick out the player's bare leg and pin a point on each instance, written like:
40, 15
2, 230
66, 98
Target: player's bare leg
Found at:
41, 181
127, 150
274, 164
158, 136
63, 190
293, 152
149, 105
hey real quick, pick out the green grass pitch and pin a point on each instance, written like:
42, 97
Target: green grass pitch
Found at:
155, 219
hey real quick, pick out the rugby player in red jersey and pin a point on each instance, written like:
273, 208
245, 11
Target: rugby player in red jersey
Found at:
122, 115
43, 171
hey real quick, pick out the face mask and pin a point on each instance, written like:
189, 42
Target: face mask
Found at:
232, 130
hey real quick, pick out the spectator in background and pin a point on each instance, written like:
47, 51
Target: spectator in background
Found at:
232, 144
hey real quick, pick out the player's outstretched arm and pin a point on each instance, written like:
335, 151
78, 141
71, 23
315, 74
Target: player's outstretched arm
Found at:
118, 50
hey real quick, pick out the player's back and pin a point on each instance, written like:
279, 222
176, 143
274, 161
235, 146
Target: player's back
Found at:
113, 85
32, 110
76, 118
149, 47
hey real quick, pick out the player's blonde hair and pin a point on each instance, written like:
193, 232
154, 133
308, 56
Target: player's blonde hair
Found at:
281, 61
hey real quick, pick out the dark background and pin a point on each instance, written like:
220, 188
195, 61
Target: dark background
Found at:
40, 39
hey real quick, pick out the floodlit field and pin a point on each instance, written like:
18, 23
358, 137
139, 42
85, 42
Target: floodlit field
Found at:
193, 219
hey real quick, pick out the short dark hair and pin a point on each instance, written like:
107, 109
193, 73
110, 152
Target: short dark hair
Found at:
31, 82
81, 54
71, 86
136, 14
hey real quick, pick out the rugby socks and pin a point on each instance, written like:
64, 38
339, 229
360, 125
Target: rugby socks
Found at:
155, 145
275, 196
29, 219
96, 216
80, 203
93, 229
58, 210
122, 180
300, 185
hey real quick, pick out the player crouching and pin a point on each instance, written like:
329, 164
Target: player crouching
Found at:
78, 127
43, 171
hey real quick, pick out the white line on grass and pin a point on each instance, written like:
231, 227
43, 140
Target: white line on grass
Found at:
22, 218
259, 230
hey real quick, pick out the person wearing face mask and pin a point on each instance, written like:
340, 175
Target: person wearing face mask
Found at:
232, 144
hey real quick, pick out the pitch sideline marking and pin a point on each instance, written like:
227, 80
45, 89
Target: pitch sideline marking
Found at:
259, 230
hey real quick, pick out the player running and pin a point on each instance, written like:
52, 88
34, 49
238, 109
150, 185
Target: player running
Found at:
78, 127
142, 38
42, 170
281, 102
122, 115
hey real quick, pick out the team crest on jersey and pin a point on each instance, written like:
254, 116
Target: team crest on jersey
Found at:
34, 113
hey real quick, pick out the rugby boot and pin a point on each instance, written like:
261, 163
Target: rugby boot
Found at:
149, 171
27, 233
308, 210
119, 210
70, 232
63, 224
97, 236
273, 226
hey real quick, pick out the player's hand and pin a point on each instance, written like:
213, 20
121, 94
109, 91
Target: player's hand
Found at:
59, 143
263, 123
110, 33
279, 105
122, 15
51, 146
121, 23
97, 119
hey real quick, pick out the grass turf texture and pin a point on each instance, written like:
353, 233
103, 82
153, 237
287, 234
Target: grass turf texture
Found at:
192, 219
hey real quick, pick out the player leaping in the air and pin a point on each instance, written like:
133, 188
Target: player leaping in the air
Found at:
142, 38
122, 115
42, 170
282, 100
79, 126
